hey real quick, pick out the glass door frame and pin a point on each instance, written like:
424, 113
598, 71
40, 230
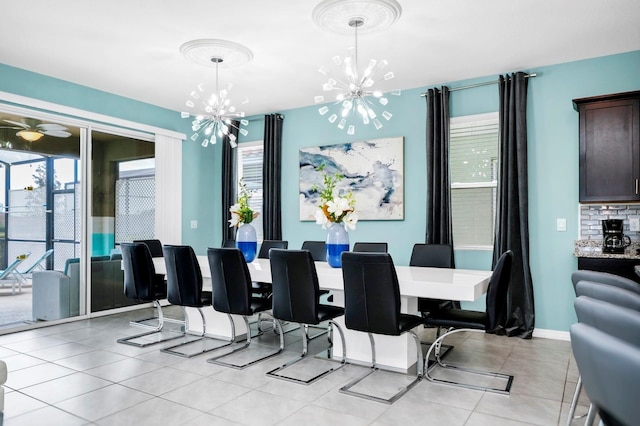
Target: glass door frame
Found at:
34, 108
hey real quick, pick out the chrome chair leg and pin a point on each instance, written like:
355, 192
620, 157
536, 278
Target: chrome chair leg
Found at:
199, 338
436, 346
591, 416
218, 359
347, 389
305, 349
574, 403
157, 329
159, 318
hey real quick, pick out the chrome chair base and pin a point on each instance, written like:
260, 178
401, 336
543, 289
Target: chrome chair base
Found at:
574, 403
323, 330
218, 359
305, 340
141, 322
436, 346
347, 389
154, 330
160, 317
172, 350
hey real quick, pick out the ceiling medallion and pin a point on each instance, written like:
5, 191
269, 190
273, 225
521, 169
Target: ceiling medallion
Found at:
353, 89
333, 15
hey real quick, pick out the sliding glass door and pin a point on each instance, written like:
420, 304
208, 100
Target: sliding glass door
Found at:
39, 221
122, 210
62, 219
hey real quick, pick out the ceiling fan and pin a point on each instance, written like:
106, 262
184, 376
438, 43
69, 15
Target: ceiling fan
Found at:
34, 132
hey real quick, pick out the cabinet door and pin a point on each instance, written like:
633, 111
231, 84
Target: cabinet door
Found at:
610, 151
621, 267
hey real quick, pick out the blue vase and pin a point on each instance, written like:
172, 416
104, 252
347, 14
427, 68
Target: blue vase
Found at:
337, 242
247, 241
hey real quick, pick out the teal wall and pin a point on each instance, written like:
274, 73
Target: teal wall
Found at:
553, 170
553, 163
199, 164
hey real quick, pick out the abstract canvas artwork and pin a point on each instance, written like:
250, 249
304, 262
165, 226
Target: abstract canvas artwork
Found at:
372, 169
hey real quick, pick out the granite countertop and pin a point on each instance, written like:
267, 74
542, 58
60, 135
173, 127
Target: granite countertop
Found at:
593, 248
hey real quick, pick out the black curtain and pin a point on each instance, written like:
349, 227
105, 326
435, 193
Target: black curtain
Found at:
439, 228
271, 177
229, 186
512, 218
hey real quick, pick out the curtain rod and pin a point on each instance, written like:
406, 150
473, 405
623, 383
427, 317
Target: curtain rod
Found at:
486, 83
261, 117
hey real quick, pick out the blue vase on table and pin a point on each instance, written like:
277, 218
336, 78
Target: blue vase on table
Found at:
247, 241
337, 242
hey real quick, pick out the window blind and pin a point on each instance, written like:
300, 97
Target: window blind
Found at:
473, 160
250, 160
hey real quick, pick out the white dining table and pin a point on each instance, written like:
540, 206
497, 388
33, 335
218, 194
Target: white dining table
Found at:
393, 352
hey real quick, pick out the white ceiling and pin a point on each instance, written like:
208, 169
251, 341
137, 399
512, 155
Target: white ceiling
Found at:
131, 47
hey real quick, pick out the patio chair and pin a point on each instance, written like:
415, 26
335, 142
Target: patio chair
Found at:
36, 266
11, 275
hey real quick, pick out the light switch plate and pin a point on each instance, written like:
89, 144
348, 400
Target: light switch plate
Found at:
634, 224
194, 224
561, 224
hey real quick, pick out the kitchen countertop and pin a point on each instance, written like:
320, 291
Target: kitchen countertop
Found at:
593, 248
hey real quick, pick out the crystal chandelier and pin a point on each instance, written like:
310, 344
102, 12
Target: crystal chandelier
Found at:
216, 116
213, 116
353, 90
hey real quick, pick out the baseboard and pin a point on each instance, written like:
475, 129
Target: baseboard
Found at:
551, 334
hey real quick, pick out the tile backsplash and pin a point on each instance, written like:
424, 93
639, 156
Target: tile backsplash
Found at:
591, 216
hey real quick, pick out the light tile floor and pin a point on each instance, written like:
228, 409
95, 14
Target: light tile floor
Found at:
76, 374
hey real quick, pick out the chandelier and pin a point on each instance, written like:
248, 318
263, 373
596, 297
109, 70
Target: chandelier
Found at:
214, 116
353, 90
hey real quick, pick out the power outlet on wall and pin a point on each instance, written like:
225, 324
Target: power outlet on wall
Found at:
634, 224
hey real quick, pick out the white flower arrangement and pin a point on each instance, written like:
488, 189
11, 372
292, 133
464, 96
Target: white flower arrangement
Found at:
334, 207
240, 211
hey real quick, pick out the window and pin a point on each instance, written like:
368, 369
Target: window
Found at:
135, 200
474, 170
250, 158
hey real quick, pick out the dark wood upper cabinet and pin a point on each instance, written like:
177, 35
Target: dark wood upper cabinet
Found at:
609, 147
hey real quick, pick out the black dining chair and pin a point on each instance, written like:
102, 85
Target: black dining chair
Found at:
155, 247
260, 288
372, 306
362, 247
433, 256
603, 362
228, 243
318, 250
458, 320
184, 288
232, 295
142, 284
296, 298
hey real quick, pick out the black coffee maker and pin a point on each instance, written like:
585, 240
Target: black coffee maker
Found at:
614, 241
